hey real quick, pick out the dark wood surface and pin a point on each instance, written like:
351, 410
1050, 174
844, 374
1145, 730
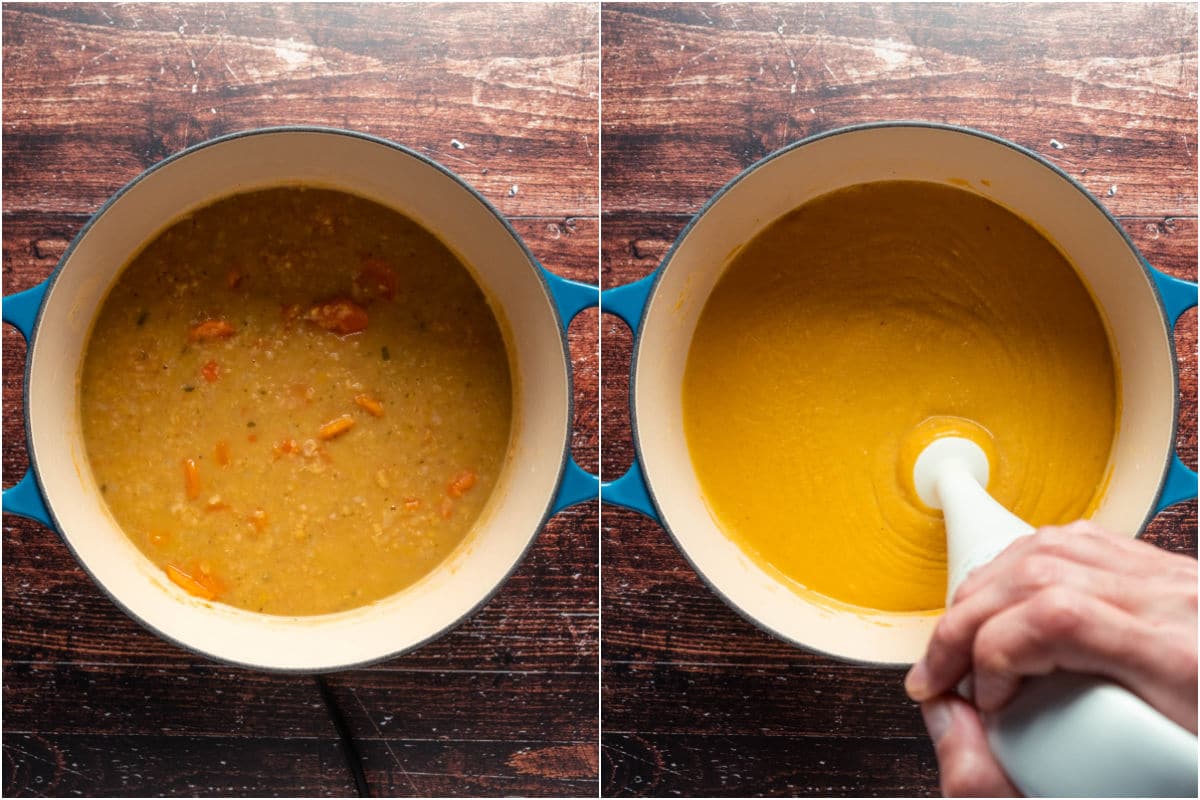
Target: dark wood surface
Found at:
696, 701
504, 704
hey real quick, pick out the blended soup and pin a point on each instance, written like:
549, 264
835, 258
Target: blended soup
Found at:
296, 401
859, 326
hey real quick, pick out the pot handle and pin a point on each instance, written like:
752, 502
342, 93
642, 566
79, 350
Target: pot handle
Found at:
570, 298
1177, 297
25, 499
630, 490
629, 301
20, 309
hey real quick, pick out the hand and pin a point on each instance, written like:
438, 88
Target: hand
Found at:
1074, 598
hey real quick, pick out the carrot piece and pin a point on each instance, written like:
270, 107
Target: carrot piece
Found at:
340, 316
285, 447
461, 483
447, 509
251, 437
215, 503
191, 478
412, 504
335, 427
369, 404
222, 453
197, 585
210, 329
211, 371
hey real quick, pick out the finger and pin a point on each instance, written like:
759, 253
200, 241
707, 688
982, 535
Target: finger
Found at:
949, 653
1083, 543
1081, 556
1060, 629
965, 762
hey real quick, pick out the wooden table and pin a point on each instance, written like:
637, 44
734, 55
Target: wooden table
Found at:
696, 701
504, 704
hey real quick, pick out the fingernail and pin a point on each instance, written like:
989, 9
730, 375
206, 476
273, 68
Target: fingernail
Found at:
966, 687
937, 718
916, 682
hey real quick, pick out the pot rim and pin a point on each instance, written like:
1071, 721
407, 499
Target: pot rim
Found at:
535, 266
733, 182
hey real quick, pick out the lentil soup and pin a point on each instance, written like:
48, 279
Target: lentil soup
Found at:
296, 401
849, 333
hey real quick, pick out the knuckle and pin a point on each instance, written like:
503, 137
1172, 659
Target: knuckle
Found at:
988, 654
1188, 593
1039, 571
970, 585
1056, 613
1082, 527
1057, 540
1178, 657
967, 588
947, 634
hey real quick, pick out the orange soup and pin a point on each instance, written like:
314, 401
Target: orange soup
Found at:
853, 322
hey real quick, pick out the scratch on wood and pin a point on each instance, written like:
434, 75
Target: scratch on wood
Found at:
689, 62
627, 754
33, 757
229, 69
387, 745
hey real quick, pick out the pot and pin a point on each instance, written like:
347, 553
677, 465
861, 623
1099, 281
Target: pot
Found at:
1139, 304
532, 305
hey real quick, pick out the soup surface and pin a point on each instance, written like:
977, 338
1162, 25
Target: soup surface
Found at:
854, 329
296, 401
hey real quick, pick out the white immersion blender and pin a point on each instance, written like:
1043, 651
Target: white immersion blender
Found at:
1062, 735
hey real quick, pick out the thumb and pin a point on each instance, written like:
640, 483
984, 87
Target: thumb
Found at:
966, 763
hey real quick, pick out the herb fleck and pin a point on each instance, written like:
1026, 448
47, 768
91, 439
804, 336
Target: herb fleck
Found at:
142, 317
250, 424
187, 387
385, 354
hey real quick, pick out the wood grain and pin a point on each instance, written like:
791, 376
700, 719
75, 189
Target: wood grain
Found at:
145, 81
695, 94
696, 700
653, 765
62, 764
94, 93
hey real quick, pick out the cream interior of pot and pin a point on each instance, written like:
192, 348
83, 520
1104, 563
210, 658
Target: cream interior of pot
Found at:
1069, 218
519, 299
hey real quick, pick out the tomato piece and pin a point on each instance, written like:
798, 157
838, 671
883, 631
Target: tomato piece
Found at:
376, 278
340, 315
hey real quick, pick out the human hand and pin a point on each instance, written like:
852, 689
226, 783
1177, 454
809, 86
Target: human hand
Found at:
1076, 599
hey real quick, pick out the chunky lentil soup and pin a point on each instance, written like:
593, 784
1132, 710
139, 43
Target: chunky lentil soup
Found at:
296, 401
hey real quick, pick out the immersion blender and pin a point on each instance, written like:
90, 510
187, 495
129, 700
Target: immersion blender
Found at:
1062, 735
